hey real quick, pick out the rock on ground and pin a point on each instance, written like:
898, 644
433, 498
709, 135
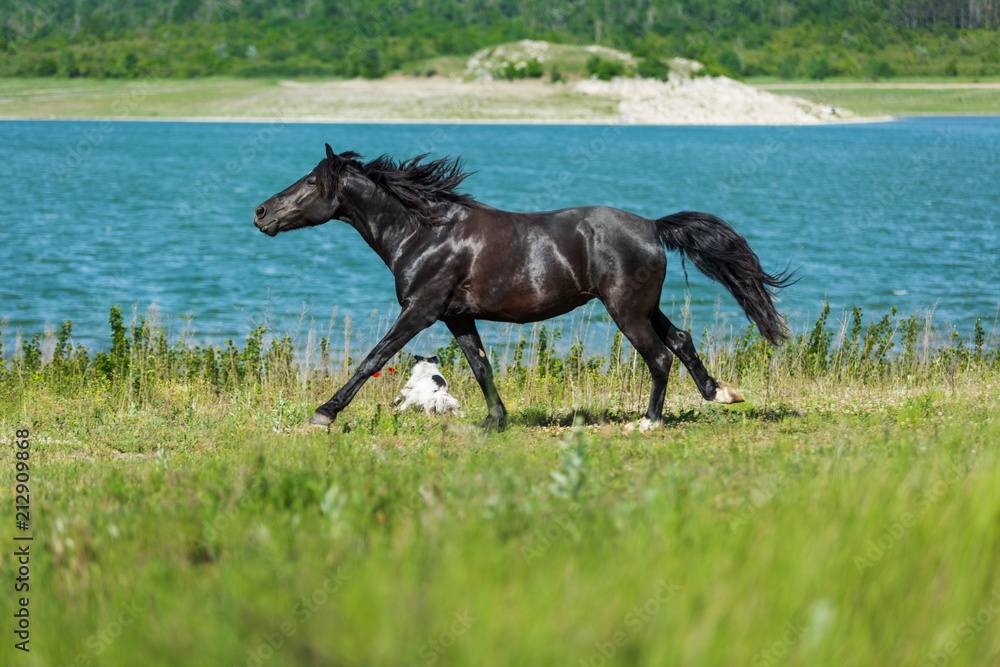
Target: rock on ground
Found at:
708, 100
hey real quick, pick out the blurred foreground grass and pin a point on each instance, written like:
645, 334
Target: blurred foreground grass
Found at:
847, 514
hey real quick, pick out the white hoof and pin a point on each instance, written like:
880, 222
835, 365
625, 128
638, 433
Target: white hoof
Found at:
726, 394
644, 425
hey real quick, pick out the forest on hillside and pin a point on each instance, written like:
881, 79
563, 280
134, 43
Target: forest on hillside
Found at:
786, 38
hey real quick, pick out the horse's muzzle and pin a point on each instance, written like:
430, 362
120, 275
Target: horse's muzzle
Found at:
269, 227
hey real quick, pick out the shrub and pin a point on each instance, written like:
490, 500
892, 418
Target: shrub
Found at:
605, 70
788, 68
531, 69
879, 69
731, 64
47, 66
818, 68
654, 68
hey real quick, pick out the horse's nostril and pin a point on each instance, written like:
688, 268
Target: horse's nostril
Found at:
261, 212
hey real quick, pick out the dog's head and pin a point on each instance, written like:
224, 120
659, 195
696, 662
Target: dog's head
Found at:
424, 366
430, 360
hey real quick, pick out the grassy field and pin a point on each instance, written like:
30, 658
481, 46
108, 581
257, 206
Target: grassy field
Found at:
109, 98
423, 98
909, 98
403, 98
847, 514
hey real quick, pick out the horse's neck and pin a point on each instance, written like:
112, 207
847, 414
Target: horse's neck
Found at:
380, 219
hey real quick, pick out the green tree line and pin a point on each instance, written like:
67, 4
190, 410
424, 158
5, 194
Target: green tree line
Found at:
185, 38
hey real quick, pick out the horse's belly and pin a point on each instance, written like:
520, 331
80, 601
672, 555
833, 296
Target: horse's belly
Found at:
516, 302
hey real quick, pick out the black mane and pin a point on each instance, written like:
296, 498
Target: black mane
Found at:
419, 186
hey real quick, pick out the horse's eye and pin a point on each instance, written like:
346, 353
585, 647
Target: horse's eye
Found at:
311, 181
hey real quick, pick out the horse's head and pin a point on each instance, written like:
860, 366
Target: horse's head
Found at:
309, 201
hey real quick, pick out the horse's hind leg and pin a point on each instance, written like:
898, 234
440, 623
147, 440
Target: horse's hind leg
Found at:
465, 332
680, 343
639, 331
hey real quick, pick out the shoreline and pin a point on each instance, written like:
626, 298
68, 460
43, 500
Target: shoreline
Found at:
260, 120
401, 100
680, 101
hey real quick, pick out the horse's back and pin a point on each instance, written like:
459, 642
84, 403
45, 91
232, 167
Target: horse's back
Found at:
530, 266
608, 233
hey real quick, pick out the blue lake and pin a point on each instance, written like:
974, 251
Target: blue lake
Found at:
137, 213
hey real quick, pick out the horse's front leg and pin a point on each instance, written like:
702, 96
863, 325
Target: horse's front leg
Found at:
409, 323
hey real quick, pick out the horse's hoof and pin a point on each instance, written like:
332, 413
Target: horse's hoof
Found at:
320, 419
495, 423
726, 394
645, 424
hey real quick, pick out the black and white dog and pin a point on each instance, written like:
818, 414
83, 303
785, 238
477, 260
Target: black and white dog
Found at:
427, 389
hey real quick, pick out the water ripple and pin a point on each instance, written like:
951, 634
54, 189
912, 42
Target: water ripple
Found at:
902, 214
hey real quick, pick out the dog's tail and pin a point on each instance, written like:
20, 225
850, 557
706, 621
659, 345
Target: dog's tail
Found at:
445, 403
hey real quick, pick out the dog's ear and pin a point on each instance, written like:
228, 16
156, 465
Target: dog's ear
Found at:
433, 360
417, 358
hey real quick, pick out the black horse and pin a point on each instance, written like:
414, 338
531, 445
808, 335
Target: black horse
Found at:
458, 261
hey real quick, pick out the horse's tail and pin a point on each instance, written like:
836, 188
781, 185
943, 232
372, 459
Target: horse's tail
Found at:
724, 256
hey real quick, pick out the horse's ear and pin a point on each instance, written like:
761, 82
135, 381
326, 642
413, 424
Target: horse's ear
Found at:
329, 152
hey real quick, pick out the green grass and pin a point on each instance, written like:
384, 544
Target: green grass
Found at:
258, 98
847, 514
144, 98
910, 98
